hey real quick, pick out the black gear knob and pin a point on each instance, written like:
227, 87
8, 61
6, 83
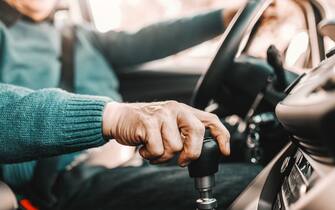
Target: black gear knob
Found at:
208, 162
203, 170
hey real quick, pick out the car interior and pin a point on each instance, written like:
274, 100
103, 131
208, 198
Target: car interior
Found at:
271, 82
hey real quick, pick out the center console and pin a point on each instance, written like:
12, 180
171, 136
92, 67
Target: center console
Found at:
299, 180
302, 175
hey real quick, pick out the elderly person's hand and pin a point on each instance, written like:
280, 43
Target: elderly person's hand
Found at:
163, 129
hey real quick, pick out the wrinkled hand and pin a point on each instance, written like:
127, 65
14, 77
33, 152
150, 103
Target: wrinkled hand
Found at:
163, 129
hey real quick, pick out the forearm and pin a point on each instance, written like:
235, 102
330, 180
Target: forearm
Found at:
47, 122
159, 40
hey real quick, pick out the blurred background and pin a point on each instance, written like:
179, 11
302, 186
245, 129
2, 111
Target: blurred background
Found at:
284, 24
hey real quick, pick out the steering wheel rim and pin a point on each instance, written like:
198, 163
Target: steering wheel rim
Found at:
242, 23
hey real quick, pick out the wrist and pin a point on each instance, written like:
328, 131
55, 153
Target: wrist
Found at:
109, 119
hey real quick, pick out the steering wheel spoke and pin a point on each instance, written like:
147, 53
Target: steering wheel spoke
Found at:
232, 44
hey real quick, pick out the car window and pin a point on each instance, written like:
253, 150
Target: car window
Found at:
283, 25
330, 14
124, 15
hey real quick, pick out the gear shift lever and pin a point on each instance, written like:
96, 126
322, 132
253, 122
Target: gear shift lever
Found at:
203, 170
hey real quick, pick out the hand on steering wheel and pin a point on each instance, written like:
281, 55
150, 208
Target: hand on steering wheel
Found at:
224, 60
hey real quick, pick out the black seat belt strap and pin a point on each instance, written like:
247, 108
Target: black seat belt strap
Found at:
67, 58
45, 175
46, 170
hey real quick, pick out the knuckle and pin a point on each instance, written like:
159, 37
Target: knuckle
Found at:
199, 128
139, 133
177, 147
172, 108
192, 155
214, 118
157, 151
173, 104
163, 111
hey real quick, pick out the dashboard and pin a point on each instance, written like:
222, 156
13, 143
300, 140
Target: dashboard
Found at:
302, 175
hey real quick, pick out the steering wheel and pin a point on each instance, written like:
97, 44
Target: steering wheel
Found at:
239, 29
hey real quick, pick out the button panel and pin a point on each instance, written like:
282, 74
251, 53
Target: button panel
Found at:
296, 184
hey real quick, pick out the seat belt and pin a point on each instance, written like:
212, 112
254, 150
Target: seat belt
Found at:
46, 170
45, 175
68, 50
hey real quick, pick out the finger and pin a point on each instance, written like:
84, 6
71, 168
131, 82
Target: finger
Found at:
193, 132
224, 144
172, 141
217, 129
152, 145
219, 132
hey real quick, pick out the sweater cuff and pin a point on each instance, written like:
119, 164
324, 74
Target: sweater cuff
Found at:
83, 121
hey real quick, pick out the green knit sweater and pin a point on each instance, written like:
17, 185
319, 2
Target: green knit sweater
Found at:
42, 123
49, 121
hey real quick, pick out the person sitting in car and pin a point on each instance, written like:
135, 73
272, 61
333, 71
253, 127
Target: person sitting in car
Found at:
45, 122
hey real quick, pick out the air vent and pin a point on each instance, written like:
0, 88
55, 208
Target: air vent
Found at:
314, 149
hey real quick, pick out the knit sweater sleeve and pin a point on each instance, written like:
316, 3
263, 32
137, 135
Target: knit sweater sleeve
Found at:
47, 122
158, 40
